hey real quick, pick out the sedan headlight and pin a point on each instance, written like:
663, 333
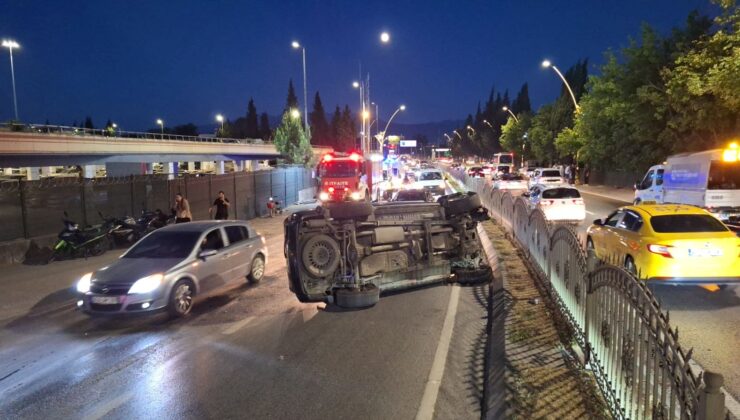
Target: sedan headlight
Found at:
146, 284
323, 196
83, 284
442, 184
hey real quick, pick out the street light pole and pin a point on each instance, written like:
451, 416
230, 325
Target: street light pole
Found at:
385, 131
10, 44
161, 127
547, 64
296, 45
506, 108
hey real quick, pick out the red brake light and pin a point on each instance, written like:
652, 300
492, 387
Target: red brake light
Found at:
663, 250
328, 158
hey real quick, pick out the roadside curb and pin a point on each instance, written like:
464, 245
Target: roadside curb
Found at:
494, 382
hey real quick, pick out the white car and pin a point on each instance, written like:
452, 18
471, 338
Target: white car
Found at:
546, 176
510, 182
560, 203
431, 180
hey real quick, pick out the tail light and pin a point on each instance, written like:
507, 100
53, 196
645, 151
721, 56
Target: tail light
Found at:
663, 250
547, 202
578, 201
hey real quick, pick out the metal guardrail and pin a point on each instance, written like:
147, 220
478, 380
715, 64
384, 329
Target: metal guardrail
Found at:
641, 368
115, 134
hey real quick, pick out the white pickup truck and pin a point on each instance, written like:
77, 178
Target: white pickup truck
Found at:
708, 179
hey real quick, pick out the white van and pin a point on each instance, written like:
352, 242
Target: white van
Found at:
708, 179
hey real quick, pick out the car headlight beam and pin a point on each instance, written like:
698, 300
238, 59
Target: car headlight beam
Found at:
146, 284
83, 284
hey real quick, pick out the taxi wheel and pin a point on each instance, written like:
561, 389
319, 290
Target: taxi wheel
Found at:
629, 265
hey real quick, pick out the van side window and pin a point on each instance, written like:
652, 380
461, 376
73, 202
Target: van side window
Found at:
659, 177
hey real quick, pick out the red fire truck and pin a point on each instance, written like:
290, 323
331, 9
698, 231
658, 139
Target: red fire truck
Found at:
343, 177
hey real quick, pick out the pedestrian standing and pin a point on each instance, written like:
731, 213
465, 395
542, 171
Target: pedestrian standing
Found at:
586, 174
567, 173
220, 206
182, 209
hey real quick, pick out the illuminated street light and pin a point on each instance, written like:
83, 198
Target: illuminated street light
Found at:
356, 84
220, 119
365, 114
295, 113
161, 126
546, 64
382, 135
471, 129
10, 44
385, 37
488, 124
296, 46
506, 108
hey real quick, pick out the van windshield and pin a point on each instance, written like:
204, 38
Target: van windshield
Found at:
724, 176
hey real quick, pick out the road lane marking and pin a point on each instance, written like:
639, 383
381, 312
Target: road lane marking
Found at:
101, 410
590, 212
431, 390
236, 326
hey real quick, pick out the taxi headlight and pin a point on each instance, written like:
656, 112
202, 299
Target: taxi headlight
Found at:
355, 195
146, 284
83, 284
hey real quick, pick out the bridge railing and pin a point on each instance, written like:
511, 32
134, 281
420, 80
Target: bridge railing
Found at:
629, 345
116, 134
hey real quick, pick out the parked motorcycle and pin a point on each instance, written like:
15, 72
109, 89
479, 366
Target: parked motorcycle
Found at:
75, 242
127, 231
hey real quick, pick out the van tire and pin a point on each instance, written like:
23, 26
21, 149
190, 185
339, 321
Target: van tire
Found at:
366, 297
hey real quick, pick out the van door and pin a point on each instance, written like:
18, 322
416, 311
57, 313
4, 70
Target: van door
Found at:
651, 186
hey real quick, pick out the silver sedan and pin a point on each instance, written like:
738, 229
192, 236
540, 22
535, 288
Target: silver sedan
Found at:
166, 269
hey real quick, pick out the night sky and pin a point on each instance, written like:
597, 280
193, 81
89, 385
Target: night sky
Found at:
184, 61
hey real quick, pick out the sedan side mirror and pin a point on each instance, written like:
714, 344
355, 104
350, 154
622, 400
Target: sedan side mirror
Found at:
207, 253
598, 222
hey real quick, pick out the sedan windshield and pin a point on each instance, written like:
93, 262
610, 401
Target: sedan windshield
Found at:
162, 244
686, 223
561, 193
511, 177
553, 172
430, 176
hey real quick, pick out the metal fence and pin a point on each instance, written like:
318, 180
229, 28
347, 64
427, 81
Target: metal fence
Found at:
111, 133
31, 209
638, 363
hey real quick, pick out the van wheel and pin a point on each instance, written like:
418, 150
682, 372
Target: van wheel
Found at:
365, 297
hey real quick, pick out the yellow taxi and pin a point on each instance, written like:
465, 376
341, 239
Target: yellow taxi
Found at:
678, 244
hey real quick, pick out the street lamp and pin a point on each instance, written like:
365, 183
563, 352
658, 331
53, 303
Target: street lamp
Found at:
363, 130
296, 45
546, 64
381, 136
10, 44
506, 108
161, 126
115, 127
220, 119
295, 113
457, 134
471, 129
449, 139
385, 37
488, 124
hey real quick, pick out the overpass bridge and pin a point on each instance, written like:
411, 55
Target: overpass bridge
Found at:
37, 147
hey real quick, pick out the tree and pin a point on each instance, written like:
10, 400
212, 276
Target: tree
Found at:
265, 130
292, 100
521, 103
513, 132
291, 141
251, 128
320, 131
346, 135
89, 123
188, 129
226, 130
336, 128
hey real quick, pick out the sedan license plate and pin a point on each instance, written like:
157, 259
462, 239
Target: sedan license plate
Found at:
105, 300
705, 252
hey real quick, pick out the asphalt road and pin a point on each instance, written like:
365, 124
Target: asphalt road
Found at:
254, 352
707, 321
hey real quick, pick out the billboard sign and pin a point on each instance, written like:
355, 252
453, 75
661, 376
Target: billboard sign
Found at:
408, 143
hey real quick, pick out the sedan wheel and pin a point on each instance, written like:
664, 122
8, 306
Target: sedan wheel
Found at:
181, 298
258, 269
